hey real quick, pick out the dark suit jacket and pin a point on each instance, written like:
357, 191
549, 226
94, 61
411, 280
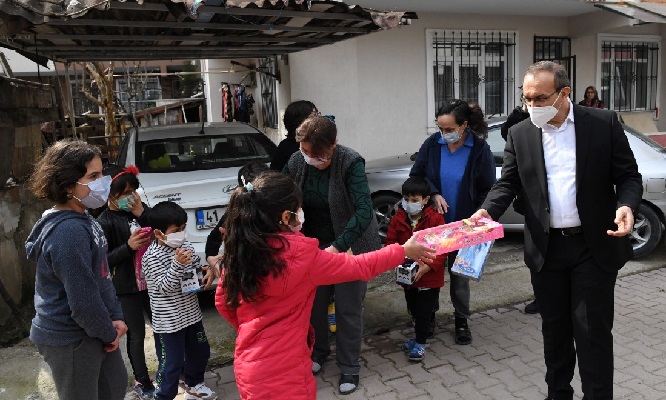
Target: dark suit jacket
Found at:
606, 178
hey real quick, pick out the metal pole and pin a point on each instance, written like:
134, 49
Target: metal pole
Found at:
70, 100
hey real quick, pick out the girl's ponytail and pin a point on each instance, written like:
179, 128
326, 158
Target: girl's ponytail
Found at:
252, 242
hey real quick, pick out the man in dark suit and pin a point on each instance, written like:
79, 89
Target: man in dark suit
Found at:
581, 185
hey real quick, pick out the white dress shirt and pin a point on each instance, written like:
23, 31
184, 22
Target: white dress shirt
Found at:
559, 153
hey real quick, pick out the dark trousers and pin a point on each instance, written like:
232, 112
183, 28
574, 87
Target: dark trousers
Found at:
422, 305
187, 352
576, 302
349, 319
135, 307
84, 371
459, 292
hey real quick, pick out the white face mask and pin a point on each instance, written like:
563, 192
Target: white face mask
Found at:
311, 160
451, 137
301, 220
176, 239
541, 115
412, 208
99, 192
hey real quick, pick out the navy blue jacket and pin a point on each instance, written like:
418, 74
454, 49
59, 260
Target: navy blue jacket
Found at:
477, 180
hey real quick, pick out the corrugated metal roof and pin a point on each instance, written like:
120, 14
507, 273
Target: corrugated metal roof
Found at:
98, 30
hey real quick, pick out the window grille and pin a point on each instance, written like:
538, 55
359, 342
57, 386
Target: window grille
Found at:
268, 89
629, 74
475, 66
557, 49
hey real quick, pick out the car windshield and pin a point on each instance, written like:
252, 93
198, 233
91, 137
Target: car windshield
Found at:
192, 153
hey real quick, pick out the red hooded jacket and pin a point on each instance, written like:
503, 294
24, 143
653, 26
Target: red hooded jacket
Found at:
400, 230
275, 339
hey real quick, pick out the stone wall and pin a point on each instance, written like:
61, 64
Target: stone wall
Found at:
24, 106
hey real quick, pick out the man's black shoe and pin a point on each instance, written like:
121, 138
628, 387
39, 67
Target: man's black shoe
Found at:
532, 308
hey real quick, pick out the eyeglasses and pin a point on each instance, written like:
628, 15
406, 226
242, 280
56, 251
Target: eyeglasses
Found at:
538, 99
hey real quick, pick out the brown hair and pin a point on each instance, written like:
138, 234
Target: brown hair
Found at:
320, 132
63, 163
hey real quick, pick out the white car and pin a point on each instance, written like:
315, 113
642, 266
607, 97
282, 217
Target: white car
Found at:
386, 175
195, 166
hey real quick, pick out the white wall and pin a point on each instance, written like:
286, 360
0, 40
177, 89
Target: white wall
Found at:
376, 85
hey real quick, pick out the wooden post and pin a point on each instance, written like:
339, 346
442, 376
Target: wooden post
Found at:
70, 100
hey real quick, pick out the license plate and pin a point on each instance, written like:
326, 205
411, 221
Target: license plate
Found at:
209, 217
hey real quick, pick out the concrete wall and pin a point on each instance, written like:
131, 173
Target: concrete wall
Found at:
376, 85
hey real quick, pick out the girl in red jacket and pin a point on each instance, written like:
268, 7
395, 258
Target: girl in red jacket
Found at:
423, 295
268, 285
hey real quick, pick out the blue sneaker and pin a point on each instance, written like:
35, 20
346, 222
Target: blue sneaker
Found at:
417, 353
408, 345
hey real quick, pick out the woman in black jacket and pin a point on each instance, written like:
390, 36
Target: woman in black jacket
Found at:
294, 115
121, 223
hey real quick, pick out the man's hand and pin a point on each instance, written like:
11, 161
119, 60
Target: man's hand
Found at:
624, 219
481, 213
440, 204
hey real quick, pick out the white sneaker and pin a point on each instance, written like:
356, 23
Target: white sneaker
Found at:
199, 392
316, 367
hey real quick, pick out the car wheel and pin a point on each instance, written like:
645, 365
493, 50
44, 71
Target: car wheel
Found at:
385, 206
647, 231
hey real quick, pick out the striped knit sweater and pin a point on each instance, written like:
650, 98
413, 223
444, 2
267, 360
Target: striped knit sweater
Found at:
172, 309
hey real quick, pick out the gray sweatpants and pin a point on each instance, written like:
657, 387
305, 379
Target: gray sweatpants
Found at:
349, 319
84, 371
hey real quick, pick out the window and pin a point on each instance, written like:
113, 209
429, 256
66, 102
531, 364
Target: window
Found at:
557, 49
199, 152
475, 66
268, 89
629, 73
146, 90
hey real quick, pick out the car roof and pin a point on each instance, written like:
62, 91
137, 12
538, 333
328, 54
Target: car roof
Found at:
194, 129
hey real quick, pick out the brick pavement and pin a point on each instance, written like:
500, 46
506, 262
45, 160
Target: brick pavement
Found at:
505, 360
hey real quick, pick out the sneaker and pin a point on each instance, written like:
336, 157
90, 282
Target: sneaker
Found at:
348, 383
144, 389
332, 326
408, 345
417, 353
316, 367
199, 392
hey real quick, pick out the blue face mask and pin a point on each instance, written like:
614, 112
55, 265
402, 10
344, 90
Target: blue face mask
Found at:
123, 204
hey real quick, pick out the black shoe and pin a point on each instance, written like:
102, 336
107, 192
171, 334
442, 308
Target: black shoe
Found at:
532, 308
463, 335
348, 383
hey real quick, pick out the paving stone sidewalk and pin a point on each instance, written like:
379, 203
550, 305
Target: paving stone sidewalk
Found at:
505, 361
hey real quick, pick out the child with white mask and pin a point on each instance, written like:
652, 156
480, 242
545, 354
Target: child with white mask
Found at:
422, 296
177, 316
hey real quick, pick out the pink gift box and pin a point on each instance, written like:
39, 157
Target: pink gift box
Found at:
456, 235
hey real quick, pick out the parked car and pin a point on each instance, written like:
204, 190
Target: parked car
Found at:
386, 175
194, 166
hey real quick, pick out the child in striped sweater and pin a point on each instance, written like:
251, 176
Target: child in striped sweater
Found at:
176, 313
